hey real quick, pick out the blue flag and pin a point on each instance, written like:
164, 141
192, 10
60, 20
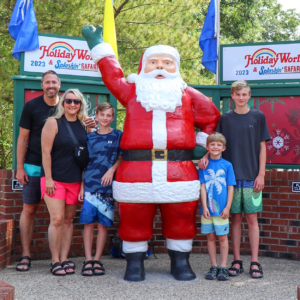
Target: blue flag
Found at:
208, 39
23, 28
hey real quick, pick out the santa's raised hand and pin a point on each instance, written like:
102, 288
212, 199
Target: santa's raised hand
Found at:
92, 35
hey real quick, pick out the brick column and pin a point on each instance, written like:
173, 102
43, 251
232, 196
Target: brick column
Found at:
6, 242
7, 291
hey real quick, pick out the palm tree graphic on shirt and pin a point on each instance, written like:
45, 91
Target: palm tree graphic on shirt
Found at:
214, 179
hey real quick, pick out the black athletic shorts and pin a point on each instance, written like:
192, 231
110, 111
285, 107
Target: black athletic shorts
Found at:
32, 190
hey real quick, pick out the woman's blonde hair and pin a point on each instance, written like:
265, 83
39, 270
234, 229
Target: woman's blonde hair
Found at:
60, 111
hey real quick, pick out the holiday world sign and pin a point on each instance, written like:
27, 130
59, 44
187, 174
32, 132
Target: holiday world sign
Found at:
67, 56
261, 62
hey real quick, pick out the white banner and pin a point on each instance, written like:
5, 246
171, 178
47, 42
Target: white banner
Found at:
64, 56
261, 62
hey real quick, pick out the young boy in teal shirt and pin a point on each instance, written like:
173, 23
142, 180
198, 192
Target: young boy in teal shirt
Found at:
217, 182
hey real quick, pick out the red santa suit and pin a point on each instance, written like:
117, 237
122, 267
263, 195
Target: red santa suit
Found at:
140, 186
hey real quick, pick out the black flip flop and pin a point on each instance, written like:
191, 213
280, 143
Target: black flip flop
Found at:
260, 270
24, 264
237, 271
67, 267
84, 268
54, 272
98, 270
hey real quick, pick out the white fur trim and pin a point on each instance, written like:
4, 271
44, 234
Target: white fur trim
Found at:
132, 78
201, 138
102, 50
180, 245
133, 247
163, 192
159, 129
161, 50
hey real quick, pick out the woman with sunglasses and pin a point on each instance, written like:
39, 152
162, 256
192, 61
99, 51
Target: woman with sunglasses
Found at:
61, 176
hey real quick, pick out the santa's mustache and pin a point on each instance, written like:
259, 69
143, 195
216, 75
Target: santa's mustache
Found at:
161, 72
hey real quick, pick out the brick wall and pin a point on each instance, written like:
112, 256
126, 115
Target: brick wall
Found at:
279, 223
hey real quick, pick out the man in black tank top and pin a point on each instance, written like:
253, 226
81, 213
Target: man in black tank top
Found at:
29, 157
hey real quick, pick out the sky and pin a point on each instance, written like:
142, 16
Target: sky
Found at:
289, 4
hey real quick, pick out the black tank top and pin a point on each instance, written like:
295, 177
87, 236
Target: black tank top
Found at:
64, 167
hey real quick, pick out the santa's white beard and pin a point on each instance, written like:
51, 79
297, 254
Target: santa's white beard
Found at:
162, 94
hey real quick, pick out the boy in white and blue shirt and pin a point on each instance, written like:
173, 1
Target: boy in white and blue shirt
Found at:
217, 182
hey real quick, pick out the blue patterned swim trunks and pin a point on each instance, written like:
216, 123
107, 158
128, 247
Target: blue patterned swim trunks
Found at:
97, 207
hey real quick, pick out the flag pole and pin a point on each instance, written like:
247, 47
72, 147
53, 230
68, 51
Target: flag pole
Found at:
218, 42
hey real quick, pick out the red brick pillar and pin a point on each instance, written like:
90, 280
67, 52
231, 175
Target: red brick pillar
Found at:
6, 242
7, 291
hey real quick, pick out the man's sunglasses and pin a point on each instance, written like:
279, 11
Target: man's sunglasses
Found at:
70, 101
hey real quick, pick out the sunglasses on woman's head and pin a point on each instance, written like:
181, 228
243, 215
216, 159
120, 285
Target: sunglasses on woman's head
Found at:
75, 101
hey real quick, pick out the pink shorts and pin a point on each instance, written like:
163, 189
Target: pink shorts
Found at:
64, 190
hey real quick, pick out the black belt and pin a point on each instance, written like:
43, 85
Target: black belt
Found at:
157, 155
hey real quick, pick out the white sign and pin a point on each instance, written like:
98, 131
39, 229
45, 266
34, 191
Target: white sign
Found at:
261, 62
64, 56
296, 187
16, 185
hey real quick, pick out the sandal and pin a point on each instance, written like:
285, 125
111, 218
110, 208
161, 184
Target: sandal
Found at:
67, 267
71, 264
24, 264
260, 270
98, 270
54, 269
237, 271
84, 268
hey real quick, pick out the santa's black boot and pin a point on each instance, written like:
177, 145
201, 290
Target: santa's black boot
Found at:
135, 270
180, 266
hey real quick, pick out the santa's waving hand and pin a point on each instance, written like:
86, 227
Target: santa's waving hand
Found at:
157, 143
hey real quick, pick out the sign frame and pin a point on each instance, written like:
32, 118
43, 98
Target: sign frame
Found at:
16, 185
37, 74
293, 186
254, 81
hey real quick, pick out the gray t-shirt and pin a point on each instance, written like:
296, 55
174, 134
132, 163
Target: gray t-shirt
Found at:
244, 133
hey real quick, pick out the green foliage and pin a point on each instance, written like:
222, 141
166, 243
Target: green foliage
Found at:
140, 24
6, 124
257, 21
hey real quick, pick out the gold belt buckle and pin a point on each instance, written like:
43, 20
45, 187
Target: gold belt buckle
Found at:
159, 155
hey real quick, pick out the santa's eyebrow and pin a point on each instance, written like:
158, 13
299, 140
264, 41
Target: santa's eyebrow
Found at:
170, 59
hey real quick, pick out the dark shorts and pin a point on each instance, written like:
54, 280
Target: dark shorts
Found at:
32, 190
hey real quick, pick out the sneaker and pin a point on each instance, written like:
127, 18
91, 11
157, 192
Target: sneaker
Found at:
213, 273
223, 274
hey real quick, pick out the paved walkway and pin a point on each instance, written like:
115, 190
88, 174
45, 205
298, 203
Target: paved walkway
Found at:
280, 281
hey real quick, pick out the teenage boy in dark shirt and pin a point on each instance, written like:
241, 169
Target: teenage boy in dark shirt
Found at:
246, 133
29, 157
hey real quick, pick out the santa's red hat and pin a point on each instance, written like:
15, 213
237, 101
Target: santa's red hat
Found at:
156, 50
159, 50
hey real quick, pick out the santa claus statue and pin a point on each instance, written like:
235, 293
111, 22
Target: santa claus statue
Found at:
157, 143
